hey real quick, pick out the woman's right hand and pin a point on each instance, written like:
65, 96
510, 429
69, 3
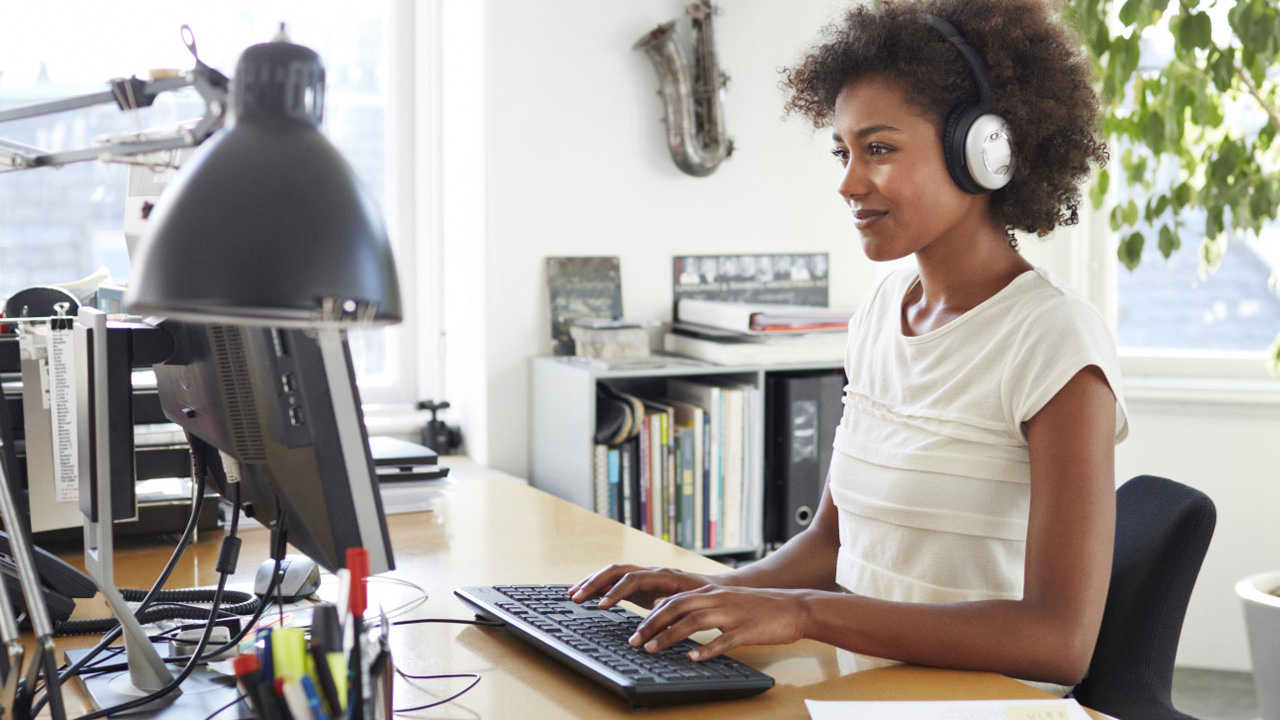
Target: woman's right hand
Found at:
642, 586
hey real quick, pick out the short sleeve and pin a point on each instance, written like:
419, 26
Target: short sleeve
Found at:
1056, 342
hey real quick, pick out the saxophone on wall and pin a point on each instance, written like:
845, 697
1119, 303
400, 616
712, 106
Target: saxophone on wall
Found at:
691, 93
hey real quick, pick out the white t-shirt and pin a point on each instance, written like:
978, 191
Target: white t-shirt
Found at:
931, 473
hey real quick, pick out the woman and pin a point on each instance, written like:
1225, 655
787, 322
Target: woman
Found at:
969, 514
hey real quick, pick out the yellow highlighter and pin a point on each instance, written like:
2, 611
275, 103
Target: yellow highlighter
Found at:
288, 653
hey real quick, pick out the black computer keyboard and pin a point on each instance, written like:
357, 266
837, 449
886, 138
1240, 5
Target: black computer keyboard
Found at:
593, 642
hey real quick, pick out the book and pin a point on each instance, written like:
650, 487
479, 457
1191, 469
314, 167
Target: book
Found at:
615, 484
630, 480
581, 287
761, 317
642, 521
666, 478
730, 498
793, 349
689, 421
600, 466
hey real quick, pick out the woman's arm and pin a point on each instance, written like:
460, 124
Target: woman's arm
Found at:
1047, 635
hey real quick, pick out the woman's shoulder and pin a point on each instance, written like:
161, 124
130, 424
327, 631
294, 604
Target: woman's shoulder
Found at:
1047, 306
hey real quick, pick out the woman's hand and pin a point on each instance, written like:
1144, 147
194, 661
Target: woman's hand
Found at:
642, 586
745, 616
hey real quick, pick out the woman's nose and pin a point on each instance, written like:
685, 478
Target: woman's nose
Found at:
853, 182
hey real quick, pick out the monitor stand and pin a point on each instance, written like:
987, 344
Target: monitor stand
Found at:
147, 670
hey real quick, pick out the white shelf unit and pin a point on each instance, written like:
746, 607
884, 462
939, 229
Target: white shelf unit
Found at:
564, 417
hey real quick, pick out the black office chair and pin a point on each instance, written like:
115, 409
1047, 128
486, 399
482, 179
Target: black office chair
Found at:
1162, 532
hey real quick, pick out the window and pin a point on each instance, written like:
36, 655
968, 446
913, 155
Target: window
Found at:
1172, 317
58, 225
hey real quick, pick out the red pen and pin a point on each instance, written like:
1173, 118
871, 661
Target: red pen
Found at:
358, 567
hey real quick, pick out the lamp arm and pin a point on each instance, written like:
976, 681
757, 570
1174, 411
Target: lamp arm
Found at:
129, 94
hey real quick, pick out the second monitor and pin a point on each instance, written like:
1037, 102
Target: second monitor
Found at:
283, 409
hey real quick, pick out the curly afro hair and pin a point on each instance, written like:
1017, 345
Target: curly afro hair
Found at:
1041, 83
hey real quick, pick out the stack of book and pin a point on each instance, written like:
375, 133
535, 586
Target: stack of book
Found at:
731, 333
692, 473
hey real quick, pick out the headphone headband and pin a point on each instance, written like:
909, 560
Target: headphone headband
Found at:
980, 74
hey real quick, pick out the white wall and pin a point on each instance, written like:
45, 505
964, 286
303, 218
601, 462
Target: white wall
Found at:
575, 163
568, 158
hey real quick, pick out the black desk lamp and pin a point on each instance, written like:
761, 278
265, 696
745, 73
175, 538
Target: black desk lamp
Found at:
266, 224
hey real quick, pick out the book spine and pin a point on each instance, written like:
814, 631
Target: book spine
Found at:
601, 478
717, 486
688, 453
677, 452
732, 491
643, 520
702, 426
667, 460
615, 484
657, 462
624, 480
672, 495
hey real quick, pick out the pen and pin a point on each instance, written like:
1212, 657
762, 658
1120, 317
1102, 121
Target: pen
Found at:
358, 565
296, 700
326, 652
313, 699
246, 668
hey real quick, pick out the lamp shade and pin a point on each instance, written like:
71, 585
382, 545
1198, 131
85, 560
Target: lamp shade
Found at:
266, 223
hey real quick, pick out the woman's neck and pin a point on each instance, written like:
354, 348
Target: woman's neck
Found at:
964, 267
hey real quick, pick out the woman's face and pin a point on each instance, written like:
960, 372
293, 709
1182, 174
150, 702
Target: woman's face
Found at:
895, 179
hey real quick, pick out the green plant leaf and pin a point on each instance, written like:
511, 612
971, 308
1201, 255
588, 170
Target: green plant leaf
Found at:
1181, 196
1162, 204
1098, 193
1129, 13
1130, 213
1130, 251
1201, 30
1169, 242
1116, 220
1223, 66
1153, 132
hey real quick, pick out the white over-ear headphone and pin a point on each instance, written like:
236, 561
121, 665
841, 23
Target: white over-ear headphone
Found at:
975, 141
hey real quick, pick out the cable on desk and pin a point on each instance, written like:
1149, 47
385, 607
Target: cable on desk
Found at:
200, 468
451, 698
408, 606
226, 565
423, 621
460, 693
170, 605
220, 710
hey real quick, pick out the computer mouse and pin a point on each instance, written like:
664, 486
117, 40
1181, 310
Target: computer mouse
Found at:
299, 578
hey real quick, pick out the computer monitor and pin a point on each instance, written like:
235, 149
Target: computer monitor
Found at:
283, 409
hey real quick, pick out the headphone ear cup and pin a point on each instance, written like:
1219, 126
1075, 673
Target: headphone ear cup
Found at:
955, 131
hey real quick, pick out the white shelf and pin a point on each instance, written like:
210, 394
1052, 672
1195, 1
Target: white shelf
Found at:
564, 416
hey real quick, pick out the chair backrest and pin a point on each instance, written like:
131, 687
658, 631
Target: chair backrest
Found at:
1163, 529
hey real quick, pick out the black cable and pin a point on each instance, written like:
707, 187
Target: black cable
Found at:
485, 623
199, 467
226, 566
460, 693
449, 699
243, 604
220, 710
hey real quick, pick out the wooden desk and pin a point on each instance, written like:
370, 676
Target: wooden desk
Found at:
488, 529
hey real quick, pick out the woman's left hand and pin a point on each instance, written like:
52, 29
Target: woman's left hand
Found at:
745, 616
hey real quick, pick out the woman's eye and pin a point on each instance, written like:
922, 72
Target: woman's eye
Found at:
840, 154
876, 149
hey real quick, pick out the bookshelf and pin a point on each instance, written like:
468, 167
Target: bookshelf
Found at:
564, 417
